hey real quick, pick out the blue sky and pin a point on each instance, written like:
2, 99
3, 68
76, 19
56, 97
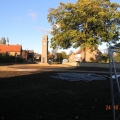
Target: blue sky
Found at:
25, 21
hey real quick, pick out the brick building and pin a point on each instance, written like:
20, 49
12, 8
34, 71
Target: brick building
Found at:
12, 50
80, 55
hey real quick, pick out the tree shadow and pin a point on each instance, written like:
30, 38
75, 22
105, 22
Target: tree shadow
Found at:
37, 96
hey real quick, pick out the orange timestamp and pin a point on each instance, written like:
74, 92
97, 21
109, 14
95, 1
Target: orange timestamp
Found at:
108, 107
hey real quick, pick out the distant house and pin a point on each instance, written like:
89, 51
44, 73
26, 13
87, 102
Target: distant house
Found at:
74, 57
37, 57
24, 55
13, 50
80, 55
28, 55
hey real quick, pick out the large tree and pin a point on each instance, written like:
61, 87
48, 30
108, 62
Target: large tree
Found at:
87, 23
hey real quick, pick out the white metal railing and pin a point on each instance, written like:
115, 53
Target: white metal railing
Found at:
114, 83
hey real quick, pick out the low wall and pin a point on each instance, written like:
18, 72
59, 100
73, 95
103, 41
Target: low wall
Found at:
102, 65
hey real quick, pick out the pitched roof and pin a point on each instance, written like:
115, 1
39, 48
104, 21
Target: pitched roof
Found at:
30, 51
10, 48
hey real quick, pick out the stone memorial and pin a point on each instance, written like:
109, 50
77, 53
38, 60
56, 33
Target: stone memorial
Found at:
44, 58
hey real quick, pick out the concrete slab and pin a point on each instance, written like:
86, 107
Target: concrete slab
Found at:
80, 76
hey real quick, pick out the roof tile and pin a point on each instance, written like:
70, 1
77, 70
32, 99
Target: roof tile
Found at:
9, 48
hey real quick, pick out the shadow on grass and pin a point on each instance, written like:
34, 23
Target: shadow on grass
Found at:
22, 63
6, 64
37, 96
94, 69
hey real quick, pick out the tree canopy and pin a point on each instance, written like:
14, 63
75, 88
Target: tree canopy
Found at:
87, 23
64, 54
3, 40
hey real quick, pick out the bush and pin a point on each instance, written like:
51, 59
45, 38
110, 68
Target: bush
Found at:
104, 58
117, 58
9, 59
19, 60
5, 59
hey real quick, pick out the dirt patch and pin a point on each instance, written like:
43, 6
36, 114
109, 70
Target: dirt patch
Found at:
37, 96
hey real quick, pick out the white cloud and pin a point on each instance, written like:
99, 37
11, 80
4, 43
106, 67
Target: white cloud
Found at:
32, 15
43, 30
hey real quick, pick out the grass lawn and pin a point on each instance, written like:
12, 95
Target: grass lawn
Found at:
37, 96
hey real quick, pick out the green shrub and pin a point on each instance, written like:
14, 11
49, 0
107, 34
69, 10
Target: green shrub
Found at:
10, 59
117, 58
104, 58
5, 59
19, 60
